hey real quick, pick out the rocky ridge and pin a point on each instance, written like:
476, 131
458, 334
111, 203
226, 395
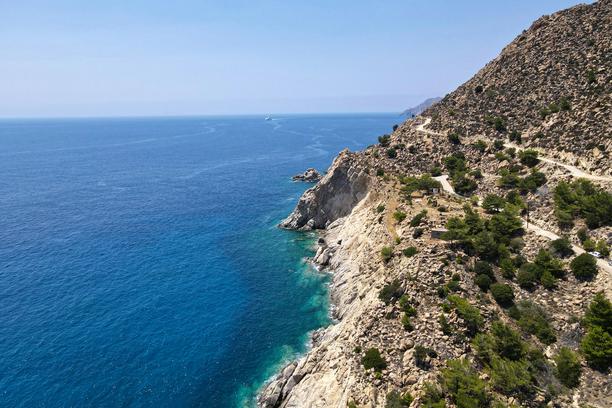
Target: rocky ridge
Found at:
552, 84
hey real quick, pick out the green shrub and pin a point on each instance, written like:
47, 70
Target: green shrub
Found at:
410, 251
432, 397
564, 104
562, 247
528, 276
384, 140
406, 323
499, 124
470, 314
417, 219
480, 145
498, 144
515, 137
548, 280
493, 203
582, 198
503, 294
386, 253
453, 286
591, 78
599, 313
391, 153
534, 320
463, 385
588, 245
463, 185
507, 342
507, 267
455, 163
380, 208
546, 262
436, 171
501, 341
373, 359
511, 377
406, 306
399, 216
442, 291
602, 248
529, 157
531, 183
445, 325
418, 232
423, 183
483, 268
584, 266
582, 234
568, 367
391, 292
597, 348
397, 400
483, 282
454, 138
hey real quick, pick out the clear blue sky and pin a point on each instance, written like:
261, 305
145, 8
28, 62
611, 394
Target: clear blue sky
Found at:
153, 57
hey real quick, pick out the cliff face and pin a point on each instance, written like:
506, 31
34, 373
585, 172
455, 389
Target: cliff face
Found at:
417, 299
344, 185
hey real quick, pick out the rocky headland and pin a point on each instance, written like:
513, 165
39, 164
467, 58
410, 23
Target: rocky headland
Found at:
456, 243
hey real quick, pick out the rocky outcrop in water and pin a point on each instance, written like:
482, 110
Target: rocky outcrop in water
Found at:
344, 185
309, 176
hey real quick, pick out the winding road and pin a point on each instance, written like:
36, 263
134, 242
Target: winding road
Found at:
574, 171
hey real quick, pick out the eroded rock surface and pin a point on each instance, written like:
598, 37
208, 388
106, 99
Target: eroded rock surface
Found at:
344, 185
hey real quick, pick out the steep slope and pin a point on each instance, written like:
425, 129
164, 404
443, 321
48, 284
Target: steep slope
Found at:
563, 61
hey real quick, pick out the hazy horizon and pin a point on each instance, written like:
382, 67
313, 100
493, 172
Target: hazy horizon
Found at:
146, 59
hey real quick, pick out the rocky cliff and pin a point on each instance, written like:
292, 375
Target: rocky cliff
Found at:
496, 314
344, 185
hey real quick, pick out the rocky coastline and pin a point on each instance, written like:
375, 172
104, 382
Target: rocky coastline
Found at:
422, 303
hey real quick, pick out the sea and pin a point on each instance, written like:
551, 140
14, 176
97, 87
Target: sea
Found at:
140, 260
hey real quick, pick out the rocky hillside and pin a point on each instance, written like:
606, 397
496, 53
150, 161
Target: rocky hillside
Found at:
552, 85
460, 276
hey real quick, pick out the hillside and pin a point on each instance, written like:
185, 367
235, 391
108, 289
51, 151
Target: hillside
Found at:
552, 84
457, 243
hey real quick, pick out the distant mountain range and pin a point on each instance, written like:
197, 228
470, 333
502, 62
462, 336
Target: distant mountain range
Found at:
416, 110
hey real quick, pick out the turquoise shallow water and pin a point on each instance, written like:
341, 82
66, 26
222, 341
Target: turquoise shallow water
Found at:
140, 263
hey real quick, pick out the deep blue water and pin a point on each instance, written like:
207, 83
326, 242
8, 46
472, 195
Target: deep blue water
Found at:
140, 263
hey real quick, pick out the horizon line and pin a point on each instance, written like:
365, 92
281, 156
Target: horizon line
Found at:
153, 116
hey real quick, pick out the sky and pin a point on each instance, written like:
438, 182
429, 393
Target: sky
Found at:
79, 58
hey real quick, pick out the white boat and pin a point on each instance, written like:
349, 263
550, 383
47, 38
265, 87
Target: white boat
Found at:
268, 117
